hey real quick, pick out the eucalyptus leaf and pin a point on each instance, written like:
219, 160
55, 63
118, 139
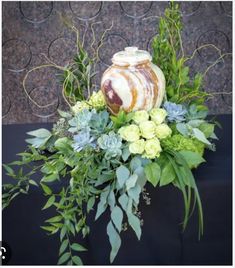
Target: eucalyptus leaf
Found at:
122, 175
125, 154
40, 133
135, 163
134, 193
123, 201
131, 182
182, 128
117, 217
114, 240
198, 134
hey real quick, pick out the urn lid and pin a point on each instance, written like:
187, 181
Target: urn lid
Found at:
131, 56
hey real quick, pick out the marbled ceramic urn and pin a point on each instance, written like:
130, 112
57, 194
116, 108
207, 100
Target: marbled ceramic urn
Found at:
133, 82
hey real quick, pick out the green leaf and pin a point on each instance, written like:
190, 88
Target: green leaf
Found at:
114, 240
141, 176
50, 178
198, 134
102, 205
131, 182
134, 193
40, 133
125, 154
9, 170
182, 128
63, 246
55, 219
111, 199
50, 202
90, 203
207, 129
63, 232
117, 217
46, 189
153, 173
193, 159
123, 201
64, 114
135, 224
135, 163
168, 174
33, 182
64, 258
63, 144
122, 175
77, 260
78, 247
49, 228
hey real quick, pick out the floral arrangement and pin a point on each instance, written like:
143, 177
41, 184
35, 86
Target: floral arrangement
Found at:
106, 160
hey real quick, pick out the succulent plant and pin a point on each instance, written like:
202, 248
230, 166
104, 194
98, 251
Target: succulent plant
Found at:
81, 120
110, 143
175, 112
83, 139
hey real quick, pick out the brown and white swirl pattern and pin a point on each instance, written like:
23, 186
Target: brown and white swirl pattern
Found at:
133, 87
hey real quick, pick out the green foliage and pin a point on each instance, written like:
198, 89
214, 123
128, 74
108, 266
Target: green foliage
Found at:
153, 173
168, 55
121, 119
192, 159
41, 136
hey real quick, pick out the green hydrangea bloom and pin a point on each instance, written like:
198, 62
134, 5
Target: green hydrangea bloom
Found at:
178, 142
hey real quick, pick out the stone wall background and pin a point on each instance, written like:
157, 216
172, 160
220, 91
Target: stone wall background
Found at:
31, 29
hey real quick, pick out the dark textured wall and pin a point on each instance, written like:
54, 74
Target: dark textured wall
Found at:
33, 28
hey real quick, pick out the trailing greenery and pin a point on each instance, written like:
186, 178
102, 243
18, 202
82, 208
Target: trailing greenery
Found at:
103, 162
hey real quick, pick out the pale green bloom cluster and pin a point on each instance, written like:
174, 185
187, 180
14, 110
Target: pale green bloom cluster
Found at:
96, 101
145, 133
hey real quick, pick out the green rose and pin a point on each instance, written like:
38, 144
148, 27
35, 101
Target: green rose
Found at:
163, 131
97, 100
130, 133
79, 106
147, 129
158, 115
152, 148
140, 116
137, 147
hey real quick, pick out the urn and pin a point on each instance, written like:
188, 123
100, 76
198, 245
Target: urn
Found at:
133, 82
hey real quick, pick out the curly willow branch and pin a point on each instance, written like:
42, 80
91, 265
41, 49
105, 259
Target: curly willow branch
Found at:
51, 64
101, 42
213, 64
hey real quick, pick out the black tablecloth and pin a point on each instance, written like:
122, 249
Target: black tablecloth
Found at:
162, 241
